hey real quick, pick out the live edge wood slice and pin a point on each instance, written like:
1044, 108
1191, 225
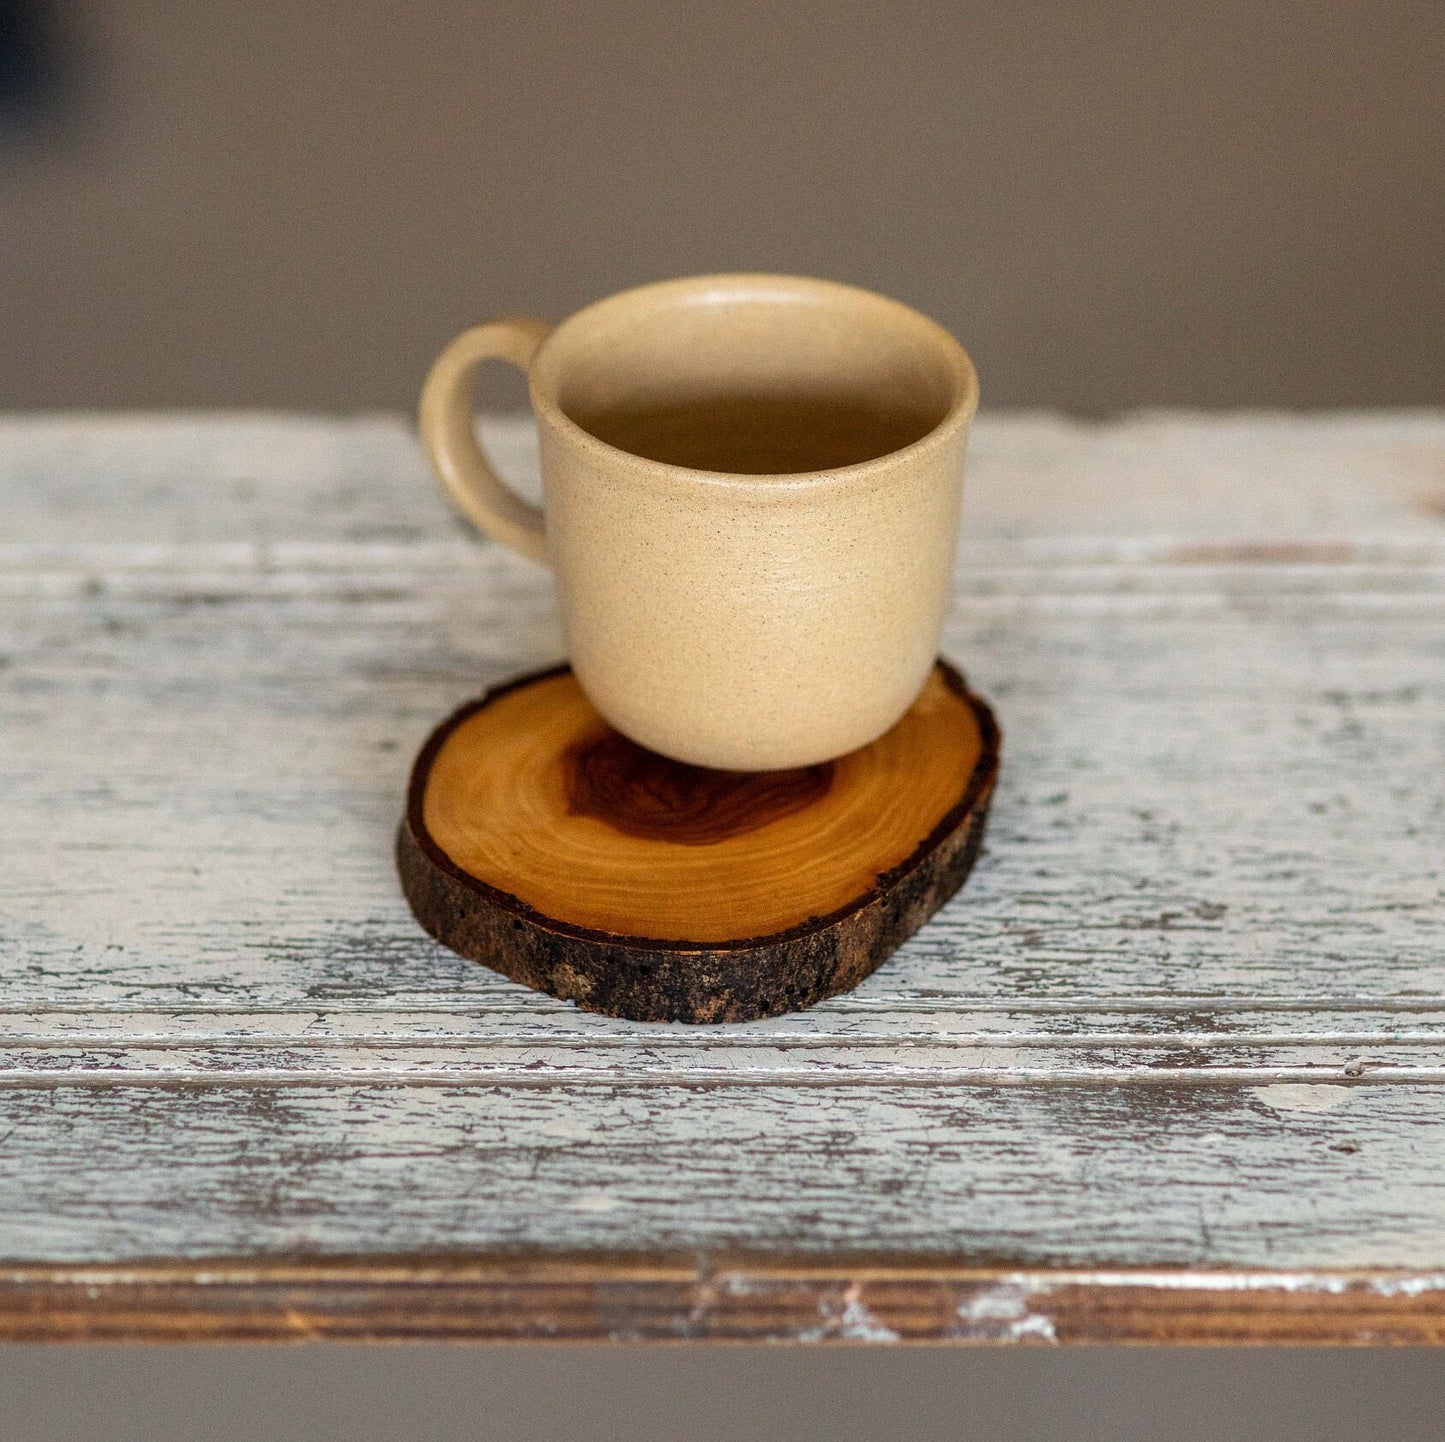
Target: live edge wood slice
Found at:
542, 843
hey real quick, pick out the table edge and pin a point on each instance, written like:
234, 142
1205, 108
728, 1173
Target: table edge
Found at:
712, 1297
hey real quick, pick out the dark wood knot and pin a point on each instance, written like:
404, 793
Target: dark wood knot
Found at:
643, 794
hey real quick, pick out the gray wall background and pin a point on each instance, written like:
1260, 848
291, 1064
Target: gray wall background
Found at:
739, 1394
1234, 202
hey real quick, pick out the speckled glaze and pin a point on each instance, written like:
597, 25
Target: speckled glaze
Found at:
742, 621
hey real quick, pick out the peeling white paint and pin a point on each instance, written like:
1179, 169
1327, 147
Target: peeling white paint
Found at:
738, 1284
224, 1034
567, 1126
597, 1202
845, 1318
1003, 1313
1190, 1280
1408, 1286
859, 1324
1303, 1096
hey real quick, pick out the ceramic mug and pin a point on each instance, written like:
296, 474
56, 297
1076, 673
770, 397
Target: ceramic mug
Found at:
750, 499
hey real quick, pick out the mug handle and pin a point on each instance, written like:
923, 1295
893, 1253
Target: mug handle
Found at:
445, 422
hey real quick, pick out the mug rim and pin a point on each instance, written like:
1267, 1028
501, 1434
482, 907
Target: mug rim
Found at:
960, 412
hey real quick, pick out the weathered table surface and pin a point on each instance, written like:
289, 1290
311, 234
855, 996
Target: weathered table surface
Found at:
1171, 1066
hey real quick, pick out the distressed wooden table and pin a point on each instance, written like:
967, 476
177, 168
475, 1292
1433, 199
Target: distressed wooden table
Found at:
1171, 1067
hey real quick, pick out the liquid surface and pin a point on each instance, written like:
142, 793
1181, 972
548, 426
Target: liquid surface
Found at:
759, 436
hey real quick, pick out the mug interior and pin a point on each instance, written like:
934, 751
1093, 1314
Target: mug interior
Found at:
754, 375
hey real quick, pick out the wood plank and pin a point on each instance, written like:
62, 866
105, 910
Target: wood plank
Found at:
232, 478
143, 734
1252, 1175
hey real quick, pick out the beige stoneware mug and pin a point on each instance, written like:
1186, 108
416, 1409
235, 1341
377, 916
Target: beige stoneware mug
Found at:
750, 499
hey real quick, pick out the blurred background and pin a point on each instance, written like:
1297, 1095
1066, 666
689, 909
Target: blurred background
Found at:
1119, 204
1231, 203
426, 1393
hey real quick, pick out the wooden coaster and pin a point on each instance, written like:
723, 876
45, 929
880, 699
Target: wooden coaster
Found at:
541, 842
